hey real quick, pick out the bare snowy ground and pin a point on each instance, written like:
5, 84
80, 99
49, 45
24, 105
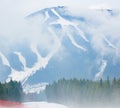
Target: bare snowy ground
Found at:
54, 105
8, 104
43, 105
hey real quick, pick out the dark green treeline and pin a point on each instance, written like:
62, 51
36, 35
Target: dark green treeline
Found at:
11, 91
77, 92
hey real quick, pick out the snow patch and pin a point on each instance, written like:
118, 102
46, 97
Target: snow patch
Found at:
99, 74
21, 58
4, 59
65, 22
37, 88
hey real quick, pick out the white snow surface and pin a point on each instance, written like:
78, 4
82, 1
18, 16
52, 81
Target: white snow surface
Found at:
102, 69
43, 105
37, 88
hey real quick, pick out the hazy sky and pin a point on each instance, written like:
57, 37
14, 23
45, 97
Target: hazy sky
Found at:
25, 6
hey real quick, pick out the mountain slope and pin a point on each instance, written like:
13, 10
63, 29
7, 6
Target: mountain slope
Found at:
64, 45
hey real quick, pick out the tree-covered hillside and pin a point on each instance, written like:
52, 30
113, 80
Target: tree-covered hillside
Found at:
79, 92
11, 91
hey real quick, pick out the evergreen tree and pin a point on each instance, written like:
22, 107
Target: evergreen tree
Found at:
73, 91
11, 91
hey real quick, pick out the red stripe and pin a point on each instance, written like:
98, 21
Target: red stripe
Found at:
10, 104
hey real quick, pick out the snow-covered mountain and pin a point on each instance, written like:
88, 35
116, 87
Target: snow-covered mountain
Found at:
64, 44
